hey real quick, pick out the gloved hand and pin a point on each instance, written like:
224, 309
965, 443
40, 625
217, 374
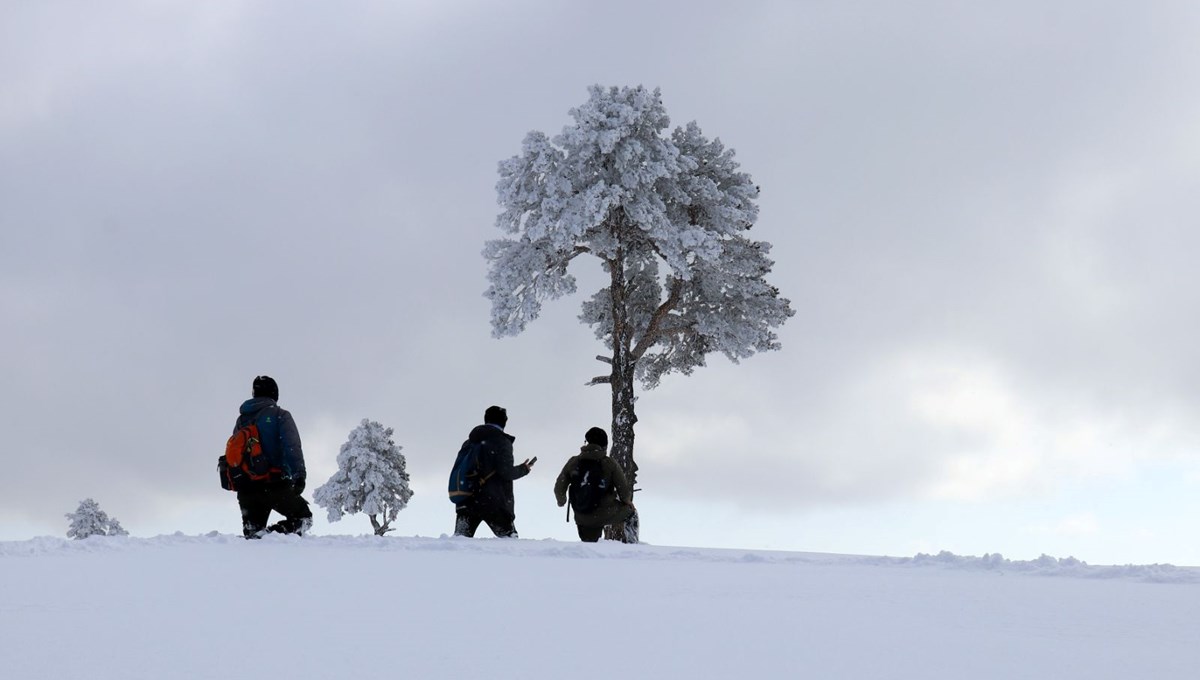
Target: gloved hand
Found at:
298, 485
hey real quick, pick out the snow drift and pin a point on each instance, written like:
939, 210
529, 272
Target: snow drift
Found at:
216, 606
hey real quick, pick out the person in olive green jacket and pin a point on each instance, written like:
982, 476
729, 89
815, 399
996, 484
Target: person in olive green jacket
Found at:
600, 494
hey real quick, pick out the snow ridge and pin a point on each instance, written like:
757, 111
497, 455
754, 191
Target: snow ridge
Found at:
541, 549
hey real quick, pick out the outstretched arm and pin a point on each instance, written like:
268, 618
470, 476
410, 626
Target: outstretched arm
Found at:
622, 485
504, 463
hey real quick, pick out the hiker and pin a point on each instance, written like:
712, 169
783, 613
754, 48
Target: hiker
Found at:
599, 493
493, 503
280, 442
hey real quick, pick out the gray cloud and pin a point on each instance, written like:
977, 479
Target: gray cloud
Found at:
980, 215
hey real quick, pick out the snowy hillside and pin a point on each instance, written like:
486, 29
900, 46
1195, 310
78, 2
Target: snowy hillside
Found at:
216, 606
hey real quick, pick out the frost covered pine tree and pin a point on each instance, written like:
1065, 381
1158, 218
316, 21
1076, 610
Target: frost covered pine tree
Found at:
666, 215
89, 520
371, 478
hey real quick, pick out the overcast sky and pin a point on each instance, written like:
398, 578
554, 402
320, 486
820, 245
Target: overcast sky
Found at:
985, 219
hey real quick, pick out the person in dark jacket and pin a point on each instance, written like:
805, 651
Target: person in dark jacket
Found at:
493, 503
615, 504
281, 444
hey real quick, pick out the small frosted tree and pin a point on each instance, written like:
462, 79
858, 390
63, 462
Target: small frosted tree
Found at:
89, 520
666, 215
371, 478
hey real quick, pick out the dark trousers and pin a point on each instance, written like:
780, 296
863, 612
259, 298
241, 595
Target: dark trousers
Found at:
590, 534
625, 514
468, 518
282, 498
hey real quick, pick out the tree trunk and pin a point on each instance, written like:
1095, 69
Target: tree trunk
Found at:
621, 444
380, 529
621, 381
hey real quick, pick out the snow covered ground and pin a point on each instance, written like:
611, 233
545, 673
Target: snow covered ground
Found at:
216, 606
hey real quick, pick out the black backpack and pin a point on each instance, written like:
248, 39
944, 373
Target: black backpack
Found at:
588, 485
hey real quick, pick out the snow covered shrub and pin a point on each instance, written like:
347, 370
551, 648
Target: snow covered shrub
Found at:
371, 478
90, 520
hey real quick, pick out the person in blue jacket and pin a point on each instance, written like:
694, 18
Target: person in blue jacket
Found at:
281, 444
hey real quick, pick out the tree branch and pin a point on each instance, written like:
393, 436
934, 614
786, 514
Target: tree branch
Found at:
578, 250
653, 329
604, 359
672, 330
599, 380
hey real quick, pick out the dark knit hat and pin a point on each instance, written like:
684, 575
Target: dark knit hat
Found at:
264, 386
596, 436
495, 415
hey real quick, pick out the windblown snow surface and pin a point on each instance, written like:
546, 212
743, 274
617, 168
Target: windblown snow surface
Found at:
216, 606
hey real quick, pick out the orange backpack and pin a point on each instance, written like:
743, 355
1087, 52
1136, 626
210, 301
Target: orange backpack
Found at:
244, 464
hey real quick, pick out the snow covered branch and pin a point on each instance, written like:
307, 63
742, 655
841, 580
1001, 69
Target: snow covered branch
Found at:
654, 330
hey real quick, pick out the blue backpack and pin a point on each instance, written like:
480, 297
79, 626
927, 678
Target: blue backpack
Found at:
467, 476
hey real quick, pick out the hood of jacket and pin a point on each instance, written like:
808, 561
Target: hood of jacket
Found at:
252, 406
592, 452
483, 433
